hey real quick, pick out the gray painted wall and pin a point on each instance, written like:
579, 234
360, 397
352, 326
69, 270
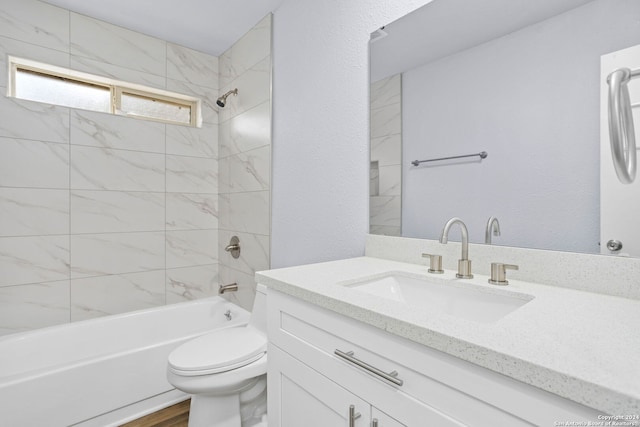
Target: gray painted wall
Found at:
320, 129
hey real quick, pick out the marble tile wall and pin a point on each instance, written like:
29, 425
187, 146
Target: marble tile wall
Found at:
386, 150
101, 214
245, 159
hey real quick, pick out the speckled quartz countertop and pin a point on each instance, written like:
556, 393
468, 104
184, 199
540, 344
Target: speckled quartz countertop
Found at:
579, 345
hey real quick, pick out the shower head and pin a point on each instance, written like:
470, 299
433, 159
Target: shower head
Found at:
223, 99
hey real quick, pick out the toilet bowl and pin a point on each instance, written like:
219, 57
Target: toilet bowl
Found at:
225, 372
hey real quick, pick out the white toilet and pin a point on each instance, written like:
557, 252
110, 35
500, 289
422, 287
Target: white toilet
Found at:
225, 371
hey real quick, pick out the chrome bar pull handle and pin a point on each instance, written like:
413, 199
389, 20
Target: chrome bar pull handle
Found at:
374, 422
392, 377
353, 416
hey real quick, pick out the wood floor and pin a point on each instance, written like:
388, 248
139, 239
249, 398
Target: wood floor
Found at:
173, 416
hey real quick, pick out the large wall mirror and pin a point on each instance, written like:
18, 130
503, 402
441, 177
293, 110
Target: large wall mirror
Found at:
519, 80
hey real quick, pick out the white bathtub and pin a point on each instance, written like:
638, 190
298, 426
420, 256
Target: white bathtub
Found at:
104, 371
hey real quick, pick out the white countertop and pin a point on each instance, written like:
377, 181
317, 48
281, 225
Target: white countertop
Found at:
579, 345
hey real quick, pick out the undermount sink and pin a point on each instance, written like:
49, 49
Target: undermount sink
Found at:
464, 300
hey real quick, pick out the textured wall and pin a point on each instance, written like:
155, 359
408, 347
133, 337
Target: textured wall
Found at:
102, 214
321, 137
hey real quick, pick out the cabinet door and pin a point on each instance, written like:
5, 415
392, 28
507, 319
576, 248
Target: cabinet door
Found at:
380, 419
300, 396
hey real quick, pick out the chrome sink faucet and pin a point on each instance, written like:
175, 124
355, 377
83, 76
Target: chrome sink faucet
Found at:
464, 264
493, 227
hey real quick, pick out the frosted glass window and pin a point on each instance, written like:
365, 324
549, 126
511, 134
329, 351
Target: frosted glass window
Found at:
39, 82
133, 104
41, 87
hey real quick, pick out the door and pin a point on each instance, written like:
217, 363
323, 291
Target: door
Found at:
619, 203
300, 396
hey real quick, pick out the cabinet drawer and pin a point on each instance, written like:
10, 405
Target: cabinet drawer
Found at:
468, 393
289, 373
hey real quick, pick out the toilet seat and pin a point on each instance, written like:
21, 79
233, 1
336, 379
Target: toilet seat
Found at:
218, 351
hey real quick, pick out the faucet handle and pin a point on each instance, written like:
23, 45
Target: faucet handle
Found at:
499, 273
435, 263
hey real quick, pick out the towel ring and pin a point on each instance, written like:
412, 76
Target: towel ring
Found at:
621, 130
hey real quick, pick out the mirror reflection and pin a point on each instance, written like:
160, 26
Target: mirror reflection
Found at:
521, 81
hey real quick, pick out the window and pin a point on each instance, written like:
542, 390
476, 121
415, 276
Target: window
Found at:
55, 85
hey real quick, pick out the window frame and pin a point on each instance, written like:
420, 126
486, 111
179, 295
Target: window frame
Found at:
116, 88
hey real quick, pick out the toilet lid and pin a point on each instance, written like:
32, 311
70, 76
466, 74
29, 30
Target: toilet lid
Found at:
220, 351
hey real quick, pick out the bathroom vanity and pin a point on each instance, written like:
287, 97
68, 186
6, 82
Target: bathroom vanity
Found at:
369, 340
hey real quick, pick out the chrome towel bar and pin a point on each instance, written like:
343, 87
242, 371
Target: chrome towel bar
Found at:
482, 155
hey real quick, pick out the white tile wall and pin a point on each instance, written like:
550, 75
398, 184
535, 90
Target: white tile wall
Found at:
116, 253
191, 66
246, 286
207, 95
386, 92
110, 44
191, 211
191, 175
110, 131
191, 247
33, 259
386, 120
25, 163
33, 120
36, 23
116, 211
245, 160
33, 306
386, 149
246, 131
250, 170
20, 49
33, 211
255, 252
254, 88
197, 142
101, 296
106, 169
102, 214
117, 72
249, 212
189, 283
254, 46
385, 210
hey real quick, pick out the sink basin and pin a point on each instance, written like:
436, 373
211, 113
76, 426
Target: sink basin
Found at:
464, 300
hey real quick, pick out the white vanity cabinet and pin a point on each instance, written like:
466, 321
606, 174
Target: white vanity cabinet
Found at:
311, 385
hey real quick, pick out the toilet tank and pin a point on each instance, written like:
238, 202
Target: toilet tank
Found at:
259, 311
